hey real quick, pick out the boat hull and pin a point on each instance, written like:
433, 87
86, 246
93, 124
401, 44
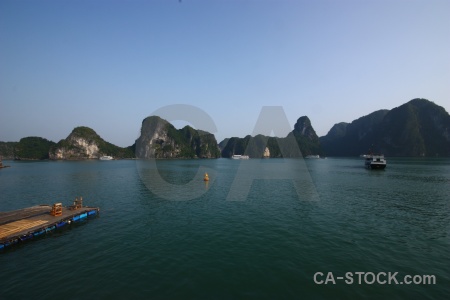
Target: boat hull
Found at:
240, 157
106, 157
375, 162
376, 166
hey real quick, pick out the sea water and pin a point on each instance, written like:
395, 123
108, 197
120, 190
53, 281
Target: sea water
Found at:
247, 233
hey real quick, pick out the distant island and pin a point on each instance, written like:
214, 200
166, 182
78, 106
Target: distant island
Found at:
160, 139
85, 143
82, 143
269, 147
416, 128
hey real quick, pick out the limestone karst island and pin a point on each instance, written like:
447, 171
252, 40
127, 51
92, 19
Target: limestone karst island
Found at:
416, 128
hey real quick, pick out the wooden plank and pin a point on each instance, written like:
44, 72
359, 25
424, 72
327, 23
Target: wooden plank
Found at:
18, 226
11, 216
23, 223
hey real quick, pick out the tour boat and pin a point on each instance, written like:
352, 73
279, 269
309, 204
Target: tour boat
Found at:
374, 161
240, 157
106, 157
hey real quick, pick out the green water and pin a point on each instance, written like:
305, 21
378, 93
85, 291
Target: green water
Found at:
334, 216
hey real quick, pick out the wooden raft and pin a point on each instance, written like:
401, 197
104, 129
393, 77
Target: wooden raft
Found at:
27, 223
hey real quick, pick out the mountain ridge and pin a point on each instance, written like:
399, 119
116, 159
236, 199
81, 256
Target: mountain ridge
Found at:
160, 139
417, 128
84, 143
260, 145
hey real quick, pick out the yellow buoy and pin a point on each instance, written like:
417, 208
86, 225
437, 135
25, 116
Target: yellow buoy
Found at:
206, 177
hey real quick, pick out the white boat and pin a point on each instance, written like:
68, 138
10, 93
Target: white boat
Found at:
240, 157
374, 161
312, 156
106, 157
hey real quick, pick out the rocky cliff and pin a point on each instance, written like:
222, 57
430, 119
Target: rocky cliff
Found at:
416, 128
160, 139
306, 137
352, 139
264, 146
85, 143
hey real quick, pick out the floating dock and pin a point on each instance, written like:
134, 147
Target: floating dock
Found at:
32, 222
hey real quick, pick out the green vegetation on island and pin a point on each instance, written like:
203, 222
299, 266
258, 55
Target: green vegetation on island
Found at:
7, 149
302, 138
160, 139
85, 143
416, 128
32, 148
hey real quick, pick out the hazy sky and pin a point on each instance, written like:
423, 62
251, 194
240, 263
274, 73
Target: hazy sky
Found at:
109, 64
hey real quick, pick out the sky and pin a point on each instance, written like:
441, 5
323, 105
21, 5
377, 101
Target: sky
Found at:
109, 64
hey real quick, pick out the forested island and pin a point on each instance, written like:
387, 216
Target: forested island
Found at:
416, 128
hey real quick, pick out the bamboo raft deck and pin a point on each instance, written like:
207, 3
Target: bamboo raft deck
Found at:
24, 224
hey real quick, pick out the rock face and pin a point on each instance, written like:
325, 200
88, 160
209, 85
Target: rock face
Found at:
153, 135
352, 139
160, 139
303, 128
416, 128
264, 146
306, 137
85, 143
337, 131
